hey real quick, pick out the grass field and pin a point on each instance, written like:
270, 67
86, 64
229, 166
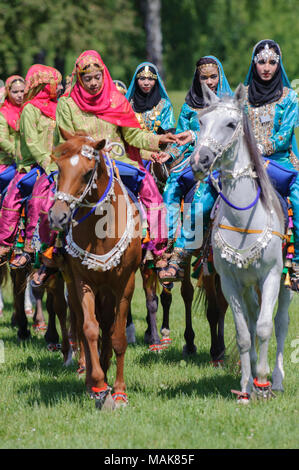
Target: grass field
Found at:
174, 403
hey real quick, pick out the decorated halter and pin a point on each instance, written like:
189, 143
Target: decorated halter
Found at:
88, 152
112, 258
219, 149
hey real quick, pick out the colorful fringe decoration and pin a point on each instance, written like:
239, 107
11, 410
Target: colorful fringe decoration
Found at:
289, 247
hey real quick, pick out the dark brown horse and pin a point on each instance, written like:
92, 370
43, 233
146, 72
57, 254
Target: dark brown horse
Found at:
55, 304
209, 291
103, 254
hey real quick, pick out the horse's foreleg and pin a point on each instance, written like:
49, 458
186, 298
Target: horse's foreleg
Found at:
151, 335
187, 292
19, 284
119, 341
281, 330
233, 294
95, 377
166, 300
59, 306
269, 294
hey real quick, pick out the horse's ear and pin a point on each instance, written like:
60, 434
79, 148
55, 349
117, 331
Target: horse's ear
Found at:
65, 134
240, 95
208, 95
100, 144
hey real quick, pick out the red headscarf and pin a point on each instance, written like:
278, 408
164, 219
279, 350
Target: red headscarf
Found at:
11, 111
40, 90
108, 104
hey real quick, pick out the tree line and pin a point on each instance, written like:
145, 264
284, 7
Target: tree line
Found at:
127, 32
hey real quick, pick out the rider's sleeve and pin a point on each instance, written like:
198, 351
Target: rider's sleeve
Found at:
63, 121
36, 132
7, 144
167, 116
285, 122
141, 139
188, 121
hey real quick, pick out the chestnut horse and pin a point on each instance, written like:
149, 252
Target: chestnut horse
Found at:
103, 253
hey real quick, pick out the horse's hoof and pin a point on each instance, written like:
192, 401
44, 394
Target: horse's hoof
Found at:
165, 332
108, 404
262, 391
243, 397
189, 350
217, 363
120, 400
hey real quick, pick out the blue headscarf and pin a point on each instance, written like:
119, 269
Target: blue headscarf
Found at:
194, 97
284, 76
132, 86
282, 73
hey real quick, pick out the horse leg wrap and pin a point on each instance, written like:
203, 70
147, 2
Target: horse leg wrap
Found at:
120, 398
262, 391
100, 395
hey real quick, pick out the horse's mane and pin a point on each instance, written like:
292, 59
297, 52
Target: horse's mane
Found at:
268, 194
69, 147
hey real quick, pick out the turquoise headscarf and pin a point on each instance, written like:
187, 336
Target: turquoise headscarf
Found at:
284, 76
285, 81
132, 85
223, 87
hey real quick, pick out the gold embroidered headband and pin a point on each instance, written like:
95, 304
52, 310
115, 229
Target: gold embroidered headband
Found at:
147, 73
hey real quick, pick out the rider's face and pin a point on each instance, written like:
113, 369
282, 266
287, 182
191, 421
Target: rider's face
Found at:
266, 68
92, 82
16, 92
146, 84
210, 77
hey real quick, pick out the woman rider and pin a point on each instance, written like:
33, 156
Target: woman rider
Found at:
36, 133
208, 70
273, 111
95, 106
153, 109
9, 129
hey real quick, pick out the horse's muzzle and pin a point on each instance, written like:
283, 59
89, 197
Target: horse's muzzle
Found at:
59, 216
201, 161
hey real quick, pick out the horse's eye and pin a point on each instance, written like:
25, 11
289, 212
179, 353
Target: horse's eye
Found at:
87, 176
232, 125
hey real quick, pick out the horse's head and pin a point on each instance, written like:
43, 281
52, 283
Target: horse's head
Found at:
78, 161
221, 124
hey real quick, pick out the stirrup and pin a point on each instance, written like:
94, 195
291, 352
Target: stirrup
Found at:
178, 275
47, 272
29, 258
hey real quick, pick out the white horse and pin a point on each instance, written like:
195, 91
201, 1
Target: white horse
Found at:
246, 239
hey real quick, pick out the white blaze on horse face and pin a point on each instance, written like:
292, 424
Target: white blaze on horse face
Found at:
74, 160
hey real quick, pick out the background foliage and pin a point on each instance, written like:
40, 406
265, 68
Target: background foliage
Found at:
57, 31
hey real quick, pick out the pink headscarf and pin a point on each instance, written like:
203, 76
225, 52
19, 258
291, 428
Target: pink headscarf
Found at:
11, 111
40, 90
108, 104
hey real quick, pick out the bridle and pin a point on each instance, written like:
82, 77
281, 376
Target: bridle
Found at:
111, 259
219, 149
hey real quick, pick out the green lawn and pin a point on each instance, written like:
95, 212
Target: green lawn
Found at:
174, 403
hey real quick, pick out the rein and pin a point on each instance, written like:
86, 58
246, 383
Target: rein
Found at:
219, 149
